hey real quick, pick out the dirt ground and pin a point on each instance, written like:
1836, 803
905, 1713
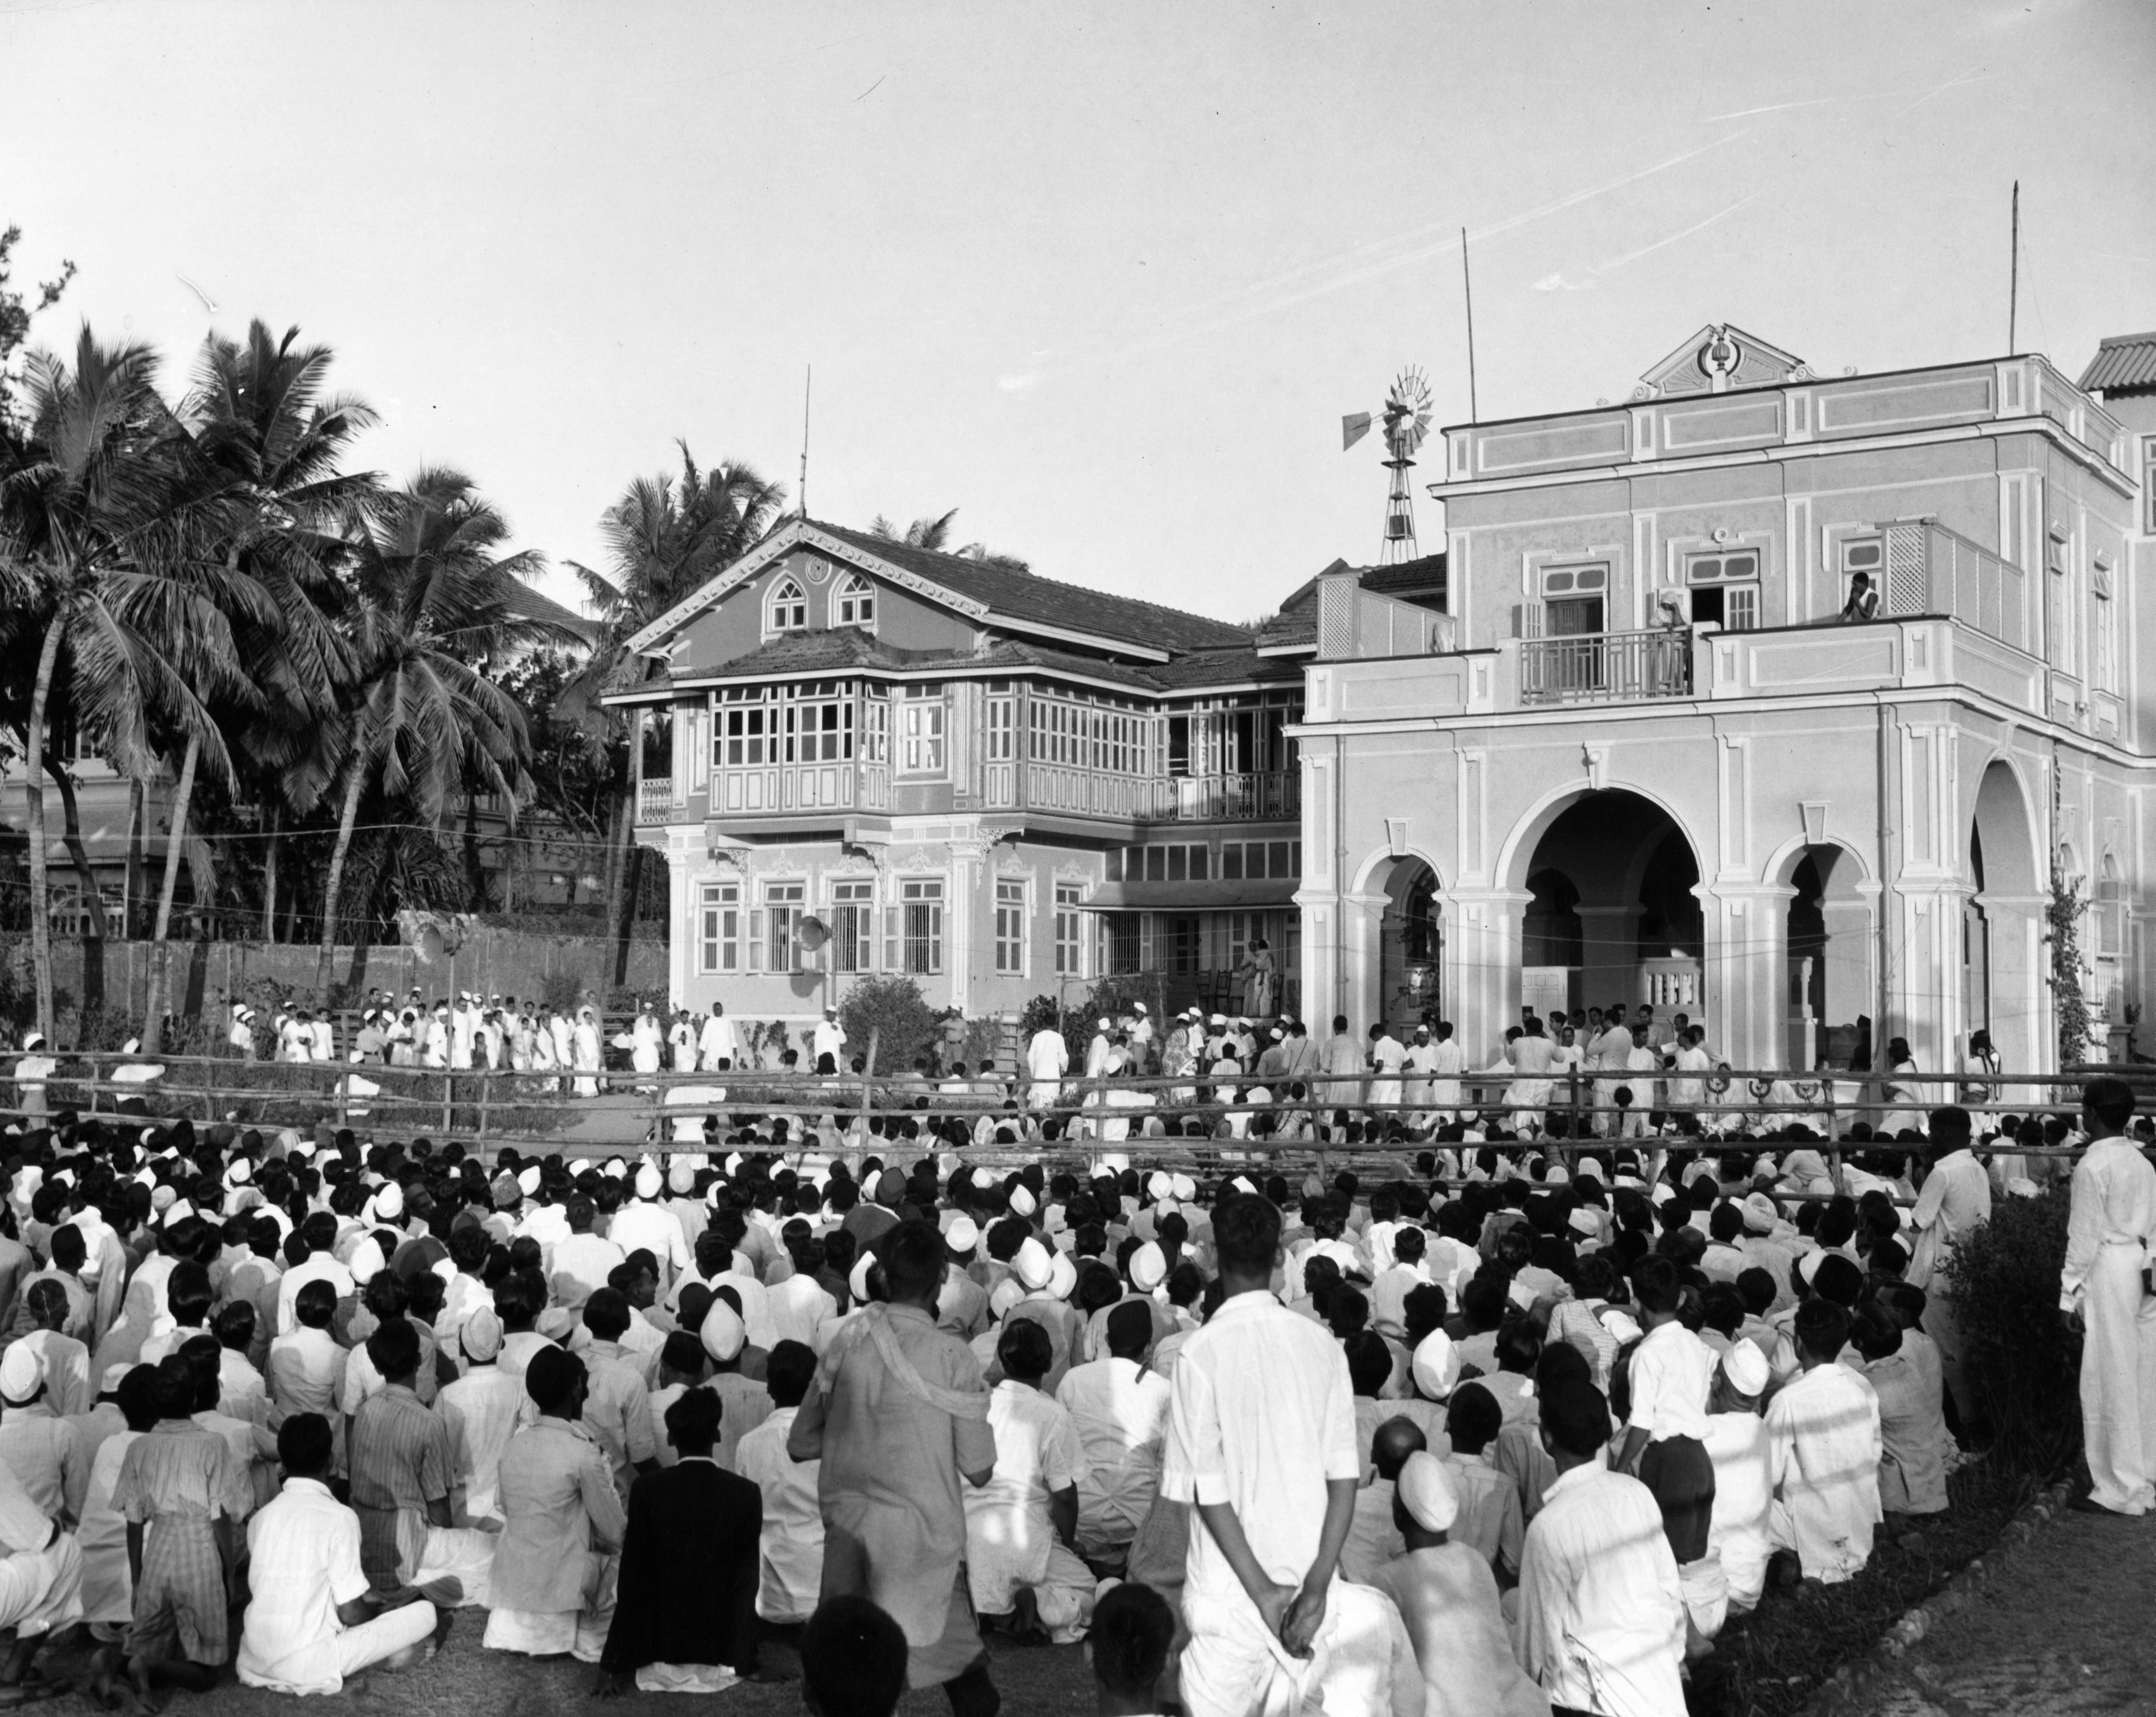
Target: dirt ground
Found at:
467, 1681
2063, 1626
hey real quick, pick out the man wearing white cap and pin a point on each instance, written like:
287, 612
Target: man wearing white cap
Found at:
45, 1452
1741, 1537
829, 1039
1448, 1597
482, 1409
1097, 1051
645, 1224
35, 1067
1047, 1059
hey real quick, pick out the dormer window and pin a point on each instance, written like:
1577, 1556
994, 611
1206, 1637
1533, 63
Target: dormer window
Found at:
855, 603
788, 607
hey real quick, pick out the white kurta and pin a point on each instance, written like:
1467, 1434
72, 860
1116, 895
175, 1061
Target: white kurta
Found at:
1822, 1438
2108, 1233
1601, 1623
1741, 1533
791, 1546
717, 1042
1121, 1410
1009, 1541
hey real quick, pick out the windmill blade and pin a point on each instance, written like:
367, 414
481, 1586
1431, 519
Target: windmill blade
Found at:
1352, 428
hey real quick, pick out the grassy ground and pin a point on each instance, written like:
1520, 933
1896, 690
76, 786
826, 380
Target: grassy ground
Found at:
1769, 1663
469, 1681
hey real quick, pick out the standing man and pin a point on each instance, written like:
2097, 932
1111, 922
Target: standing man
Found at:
2103, 1299
716, 1044
898, 1416
1047, 1059
1261, 1441
1387, 1058
830, 1039
1956, 1197
1341, 1057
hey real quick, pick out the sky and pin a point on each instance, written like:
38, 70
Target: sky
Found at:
1105, 277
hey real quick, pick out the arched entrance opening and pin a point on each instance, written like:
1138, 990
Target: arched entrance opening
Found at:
1410, 946
1613, 919
1830, 982
2001, 921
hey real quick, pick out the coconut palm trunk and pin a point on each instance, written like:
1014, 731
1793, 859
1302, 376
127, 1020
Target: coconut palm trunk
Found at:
335, 881
153, 1007
269, 873
33, 777
95, 930
138, 809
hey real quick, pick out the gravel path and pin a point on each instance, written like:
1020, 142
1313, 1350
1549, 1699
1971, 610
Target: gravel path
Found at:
2063, 1626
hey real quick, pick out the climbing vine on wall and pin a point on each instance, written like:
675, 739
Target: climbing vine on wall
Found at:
2062, 920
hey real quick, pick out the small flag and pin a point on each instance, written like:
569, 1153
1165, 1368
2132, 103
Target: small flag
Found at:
1352, 428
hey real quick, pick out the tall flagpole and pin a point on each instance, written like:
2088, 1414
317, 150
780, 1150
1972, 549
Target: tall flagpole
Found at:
2014, 272
1468, 283
808, 380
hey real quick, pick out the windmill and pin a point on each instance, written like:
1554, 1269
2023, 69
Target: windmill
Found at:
1406, 422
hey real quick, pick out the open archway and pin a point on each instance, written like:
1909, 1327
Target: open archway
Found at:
2001, 949
1410, 944
1614, 918
1831, 982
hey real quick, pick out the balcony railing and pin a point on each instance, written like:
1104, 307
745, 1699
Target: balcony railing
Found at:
655, 798
1605, 668
1254, 797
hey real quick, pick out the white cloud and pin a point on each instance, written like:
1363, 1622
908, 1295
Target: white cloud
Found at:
1560, 282
1016, 384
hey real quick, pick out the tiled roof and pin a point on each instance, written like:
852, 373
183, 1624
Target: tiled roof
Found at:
2124, 363
529, 604
803, 652
1204, 668
1026, 596
1427, 573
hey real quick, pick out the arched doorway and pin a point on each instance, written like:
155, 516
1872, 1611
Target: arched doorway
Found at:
1613, 908
1410, 946
1829, 983
2001, 989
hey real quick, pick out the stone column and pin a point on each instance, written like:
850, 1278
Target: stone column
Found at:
1481, 979
1744, 972
2023, 1023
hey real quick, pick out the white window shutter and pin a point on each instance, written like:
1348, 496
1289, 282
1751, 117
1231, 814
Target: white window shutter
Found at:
891, 962
755, 917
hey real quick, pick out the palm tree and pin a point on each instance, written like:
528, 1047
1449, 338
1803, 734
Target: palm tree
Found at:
270, 440
936, 534
264, 426
432, 598
664, 542
104, 517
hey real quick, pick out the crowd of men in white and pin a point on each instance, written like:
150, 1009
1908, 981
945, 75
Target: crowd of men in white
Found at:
1506, 1430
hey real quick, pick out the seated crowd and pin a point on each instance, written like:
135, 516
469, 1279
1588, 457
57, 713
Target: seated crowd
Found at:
1490, 1430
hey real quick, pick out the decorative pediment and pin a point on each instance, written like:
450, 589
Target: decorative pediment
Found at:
1718, 358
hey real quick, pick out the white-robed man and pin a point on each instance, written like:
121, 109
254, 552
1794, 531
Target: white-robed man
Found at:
1956, 1197
2102, 1298
1047, 1059
1261, 1442
716, 1044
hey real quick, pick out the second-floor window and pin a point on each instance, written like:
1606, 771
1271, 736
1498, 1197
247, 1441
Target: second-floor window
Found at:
1000, 740
746, 738
819, 723
2105, 665
875, 725
921, 716
1573, 601
1725, 588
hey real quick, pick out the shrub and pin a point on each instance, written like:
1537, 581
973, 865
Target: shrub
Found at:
893, 1005
561, 991
2004, 1279
1110, 998
1041, 1014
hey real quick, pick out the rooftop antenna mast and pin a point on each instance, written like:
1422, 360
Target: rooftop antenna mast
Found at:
1467, 289
808, 381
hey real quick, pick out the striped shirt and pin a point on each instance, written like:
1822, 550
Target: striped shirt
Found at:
401, 1460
